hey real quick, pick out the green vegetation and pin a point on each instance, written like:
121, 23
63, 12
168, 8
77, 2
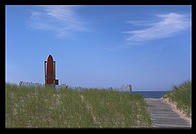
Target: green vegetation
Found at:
182, 97
44, 107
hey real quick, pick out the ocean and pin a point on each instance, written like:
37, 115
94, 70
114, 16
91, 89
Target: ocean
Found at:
151, 94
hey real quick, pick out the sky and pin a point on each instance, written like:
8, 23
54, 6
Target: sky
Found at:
100, 46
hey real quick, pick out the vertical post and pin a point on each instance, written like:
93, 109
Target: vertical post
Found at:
54, 72
130, 88
45, 71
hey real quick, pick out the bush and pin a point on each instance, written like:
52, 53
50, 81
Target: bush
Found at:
182, 96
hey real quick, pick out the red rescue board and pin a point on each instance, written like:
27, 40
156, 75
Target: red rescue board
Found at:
50, 70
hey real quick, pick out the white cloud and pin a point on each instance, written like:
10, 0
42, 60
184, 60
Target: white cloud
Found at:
59, 19
169, 25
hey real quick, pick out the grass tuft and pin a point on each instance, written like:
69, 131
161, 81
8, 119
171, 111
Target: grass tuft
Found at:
182, 96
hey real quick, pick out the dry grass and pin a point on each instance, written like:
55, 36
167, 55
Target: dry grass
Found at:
44, 107
181, 96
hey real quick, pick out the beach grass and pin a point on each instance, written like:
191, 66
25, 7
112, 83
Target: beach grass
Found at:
181, 96
46, 107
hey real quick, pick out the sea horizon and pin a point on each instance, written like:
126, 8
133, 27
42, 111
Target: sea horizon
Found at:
151, 94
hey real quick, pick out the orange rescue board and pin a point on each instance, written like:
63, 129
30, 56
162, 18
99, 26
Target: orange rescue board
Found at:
50, 70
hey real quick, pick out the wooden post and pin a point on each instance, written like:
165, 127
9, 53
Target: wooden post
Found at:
54, 77
45, 71
130, 88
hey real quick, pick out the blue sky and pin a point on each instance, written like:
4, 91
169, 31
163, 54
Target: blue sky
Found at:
100, 46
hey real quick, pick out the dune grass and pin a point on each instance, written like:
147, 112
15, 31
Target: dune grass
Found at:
182, 96
45, 107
